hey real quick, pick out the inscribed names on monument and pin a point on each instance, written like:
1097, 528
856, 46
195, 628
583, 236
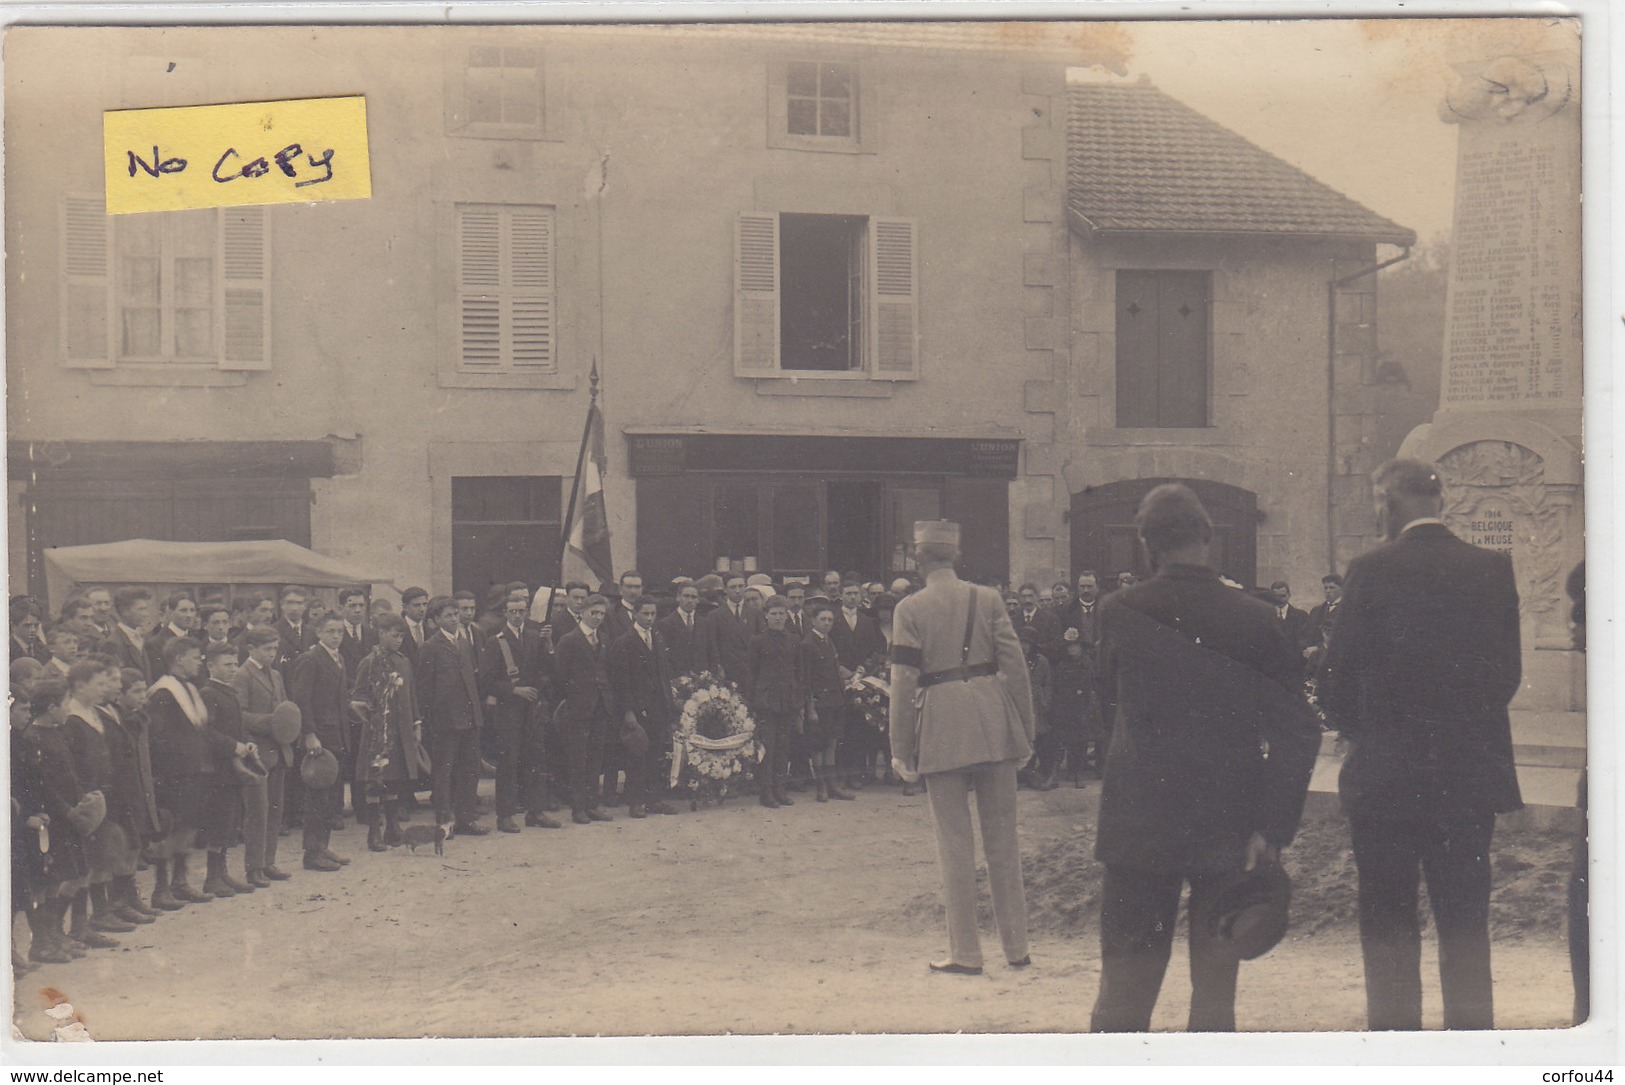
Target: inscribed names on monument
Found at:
1513, 305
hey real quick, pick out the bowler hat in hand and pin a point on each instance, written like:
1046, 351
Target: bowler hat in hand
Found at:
1249, 914
319, 769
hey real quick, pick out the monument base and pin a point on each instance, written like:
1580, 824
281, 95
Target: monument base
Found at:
1554, 680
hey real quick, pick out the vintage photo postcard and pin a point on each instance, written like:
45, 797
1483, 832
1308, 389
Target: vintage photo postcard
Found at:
796, 528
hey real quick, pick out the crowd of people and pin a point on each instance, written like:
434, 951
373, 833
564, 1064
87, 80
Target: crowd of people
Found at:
146, 729
142, 735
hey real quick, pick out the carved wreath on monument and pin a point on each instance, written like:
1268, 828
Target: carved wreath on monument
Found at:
1508, 481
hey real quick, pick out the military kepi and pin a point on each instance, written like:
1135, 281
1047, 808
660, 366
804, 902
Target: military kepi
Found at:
936, 531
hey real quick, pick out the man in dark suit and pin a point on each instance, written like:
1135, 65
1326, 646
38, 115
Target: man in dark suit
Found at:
294, 633
358, 641
580, 660
1079, 612
179, 619
1324, 616
1293, 622
25, 630
238, 806
641, 700
1422, 665
320, 686
857, 638
728, 629
127, 643
1043, 620
683, 635
260, 688
415, 611
511, 674
1199, 680
449, 698
623, 614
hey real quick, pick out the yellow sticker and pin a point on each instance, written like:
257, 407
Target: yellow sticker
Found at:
296, 151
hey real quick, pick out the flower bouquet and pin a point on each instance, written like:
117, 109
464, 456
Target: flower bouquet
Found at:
714, 742
869, 690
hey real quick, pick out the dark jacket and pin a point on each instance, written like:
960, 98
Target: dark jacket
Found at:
448, 686
583, 676
529, 659
225, 714
820, 669
688, 651
1295, 627
854, 647
181, 750
1044, 623
1198, 678
775, 677
293, 644
639, 680
94, 767
123, 649
354, 649
320, 686
728, 639
1422, 665
132, 766
58, 792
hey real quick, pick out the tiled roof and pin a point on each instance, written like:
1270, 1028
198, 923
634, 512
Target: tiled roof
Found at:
1139, 161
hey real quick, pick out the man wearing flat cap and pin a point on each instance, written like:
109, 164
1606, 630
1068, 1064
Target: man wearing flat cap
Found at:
1198, 682
1423, 663
962, 719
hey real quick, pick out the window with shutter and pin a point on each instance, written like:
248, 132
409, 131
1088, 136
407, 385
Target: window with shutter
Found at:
1163, 356
826, 296
84, 300
171, 288
505, 289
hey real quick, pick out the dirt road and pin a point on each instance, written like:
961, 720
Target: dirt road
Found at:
814, 919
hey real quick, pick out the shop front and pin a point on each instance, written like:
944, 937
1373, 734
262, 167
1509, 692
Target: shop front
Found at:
797, 505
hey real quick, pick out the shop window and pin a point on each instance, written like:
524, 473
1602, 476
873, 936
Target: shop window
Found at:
1163, 353
505, 528
168, 288
825, 295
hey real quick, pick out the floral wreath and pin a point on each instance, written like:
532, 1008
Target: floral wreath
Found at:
869, 691
715, 736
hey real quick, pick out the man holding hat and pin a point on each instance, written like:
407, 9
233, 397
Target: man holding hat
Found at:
1421, 667
1197, 679
274, 723
962, 719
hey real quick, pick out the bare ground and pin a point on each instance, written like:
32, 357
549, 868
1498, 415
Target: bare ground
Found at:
815, 919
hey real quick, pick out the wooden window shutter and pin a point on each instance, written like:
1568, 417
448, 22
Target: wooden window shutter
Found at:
245, 310
506, 307
479, 288
530, 339
894, 342
756, 294
85, 311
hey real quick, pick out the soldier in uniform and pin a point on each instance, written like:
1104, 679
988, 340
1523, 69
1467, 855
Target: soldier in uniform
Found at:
962, 719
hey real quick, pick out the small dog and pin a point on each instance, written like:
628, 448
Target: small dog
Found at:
415, 835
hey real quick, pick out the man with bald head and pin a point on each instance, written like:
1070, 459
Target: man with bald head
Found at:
1424, 659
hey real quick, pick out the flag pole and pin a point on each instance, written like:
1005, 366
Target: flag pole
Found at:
575, 486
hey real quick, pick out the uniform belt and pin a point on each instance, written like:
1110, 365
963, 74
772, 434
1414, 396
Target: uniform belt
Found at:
963, 674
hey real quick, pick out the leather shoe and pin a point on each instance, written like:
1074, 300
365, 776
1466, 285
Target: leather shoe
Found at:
130, 915
580, 818
955, 969
275, 874
637, 811
506, 825
258, 880
542, 821
318, 861
183, 892
662, 808
108, 923
470, 828
165, 901
43, 952
333, 857
767, 800
1023, 963
598, 815
837, 793
782, 799
91, 939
